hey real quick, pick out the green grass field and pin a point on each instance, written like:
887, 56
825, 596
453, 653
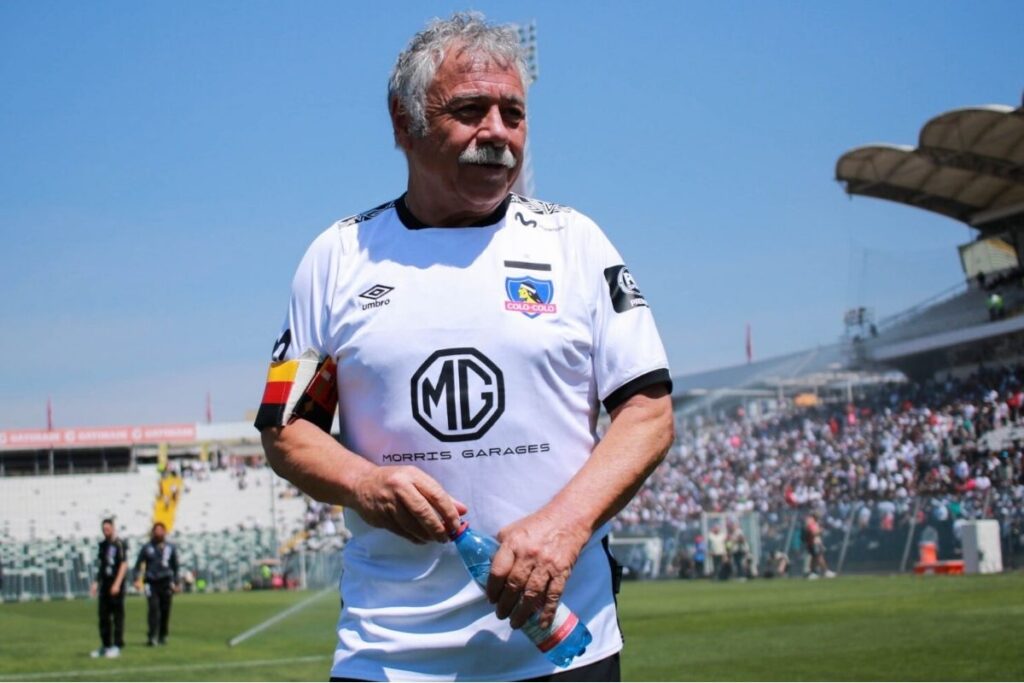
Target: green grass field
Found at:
852, 628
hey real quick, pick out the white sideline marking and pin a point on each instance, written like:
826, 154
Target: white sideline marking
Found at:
105, 674
298, 607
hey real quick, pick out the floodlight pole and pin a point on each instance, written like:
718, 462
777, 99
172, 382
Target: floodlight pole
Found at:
528, 41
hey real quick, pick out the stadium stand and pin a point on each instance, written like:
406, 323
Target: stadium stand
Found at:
965, 309
968, 165
247, 497
904, 457
229, 514
71, 506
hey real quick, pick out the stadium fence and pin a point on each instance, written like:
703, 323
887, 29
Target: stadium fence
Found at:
864, 536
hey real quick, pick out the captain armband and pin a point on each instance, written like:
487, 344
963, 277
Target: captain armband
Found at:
305, 388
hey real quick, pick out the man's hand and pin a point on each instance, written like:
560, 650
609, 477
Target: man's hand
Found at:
404, 499
530, 569
138, 585
409, 502
115, 589
537, 553
92, 589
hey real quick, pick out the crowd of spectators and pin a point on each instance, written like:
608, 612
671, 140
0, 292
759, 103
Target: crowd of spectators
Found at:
898, 449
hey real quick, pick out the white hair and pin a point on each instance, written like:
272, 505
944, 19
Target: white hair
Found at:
417, 64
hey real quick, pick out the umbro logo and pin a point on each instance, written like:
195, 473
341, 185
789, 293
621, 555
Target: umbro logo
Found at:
376, 296
376, 292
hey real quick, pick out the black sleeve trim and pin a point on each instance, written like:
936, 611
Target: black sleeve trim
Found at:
635, 386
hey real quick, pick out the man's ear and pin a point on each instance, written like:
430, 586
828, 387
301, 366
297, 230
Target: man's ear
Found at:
400, 124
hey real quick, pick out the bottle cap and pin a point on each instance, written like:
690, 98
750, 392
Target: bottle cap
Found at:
463, 525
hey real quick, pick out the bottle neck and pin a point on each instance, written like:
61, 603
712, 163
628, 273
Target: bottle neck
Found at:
463, 528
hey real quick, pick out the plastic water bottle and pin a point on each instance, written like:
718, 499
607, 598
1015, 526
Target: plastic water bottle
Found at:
566, 638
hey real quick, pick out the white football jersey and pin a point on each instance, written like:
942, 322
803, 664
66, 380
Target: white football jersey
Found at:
480, 355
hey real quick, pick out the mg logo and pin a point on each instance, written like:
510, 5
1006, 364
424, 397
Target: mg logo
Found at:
458, 394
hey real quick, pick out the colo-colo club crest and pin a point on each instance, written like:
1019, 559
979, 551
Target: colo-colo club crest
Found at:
529, 296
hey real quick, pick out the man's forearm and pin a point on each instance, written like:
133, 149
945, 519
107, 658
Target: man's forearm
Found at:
402, 499
637, 440
311, 459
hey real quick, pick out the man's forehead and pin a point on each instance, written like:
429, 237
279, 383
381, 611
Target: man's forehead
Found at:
464, 67
461, 58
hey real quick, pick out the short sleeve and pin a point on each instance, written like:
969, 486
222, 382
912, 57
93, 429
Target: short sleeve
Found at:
628, 354
301, 364
306, 324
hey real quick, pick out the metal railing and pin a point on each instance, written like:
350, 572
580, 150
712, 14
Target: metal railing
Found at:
862, 536
945, 295
213, 561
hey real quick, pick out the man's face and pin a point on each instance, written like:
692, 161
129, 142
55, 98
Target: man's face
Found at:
158, 534
108, 531
473, 102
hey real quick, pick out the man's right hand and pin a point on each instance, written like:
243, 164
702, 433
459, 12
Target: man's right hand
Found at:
402, 499
409, 502
92, 589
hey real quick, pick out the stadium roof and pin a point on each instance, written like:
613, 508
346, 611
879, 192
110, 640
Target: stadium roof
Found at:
787, 370
968, 165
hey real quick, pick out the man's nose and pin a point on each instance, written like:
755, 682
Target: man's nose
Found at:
493, 129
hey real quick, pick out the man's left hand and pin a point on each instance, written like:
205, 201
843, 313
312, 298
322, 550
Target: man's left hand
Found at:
530, 569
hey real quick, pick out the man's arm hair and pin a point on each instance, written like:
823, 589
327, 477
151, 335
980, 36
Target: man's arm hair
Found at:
310, 458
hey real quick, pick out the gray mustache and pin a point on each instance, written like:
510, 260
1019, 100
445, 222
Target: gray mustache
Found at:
486, 154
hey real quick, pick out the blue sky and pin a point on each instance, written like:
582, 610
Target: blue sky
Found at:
164, 166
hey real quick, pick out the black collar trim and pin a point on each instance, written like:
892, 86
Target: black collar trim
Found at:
412, 223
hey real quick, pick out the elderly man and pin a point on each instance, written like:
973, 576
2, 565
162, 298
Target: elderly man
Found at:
468, 336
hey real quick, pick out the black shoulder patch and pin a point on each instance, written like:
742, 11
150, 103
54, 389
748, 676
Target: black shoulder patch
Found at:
622, 289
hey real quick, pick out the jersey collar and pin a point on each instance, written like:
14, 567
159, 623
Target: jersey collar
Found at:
412, 223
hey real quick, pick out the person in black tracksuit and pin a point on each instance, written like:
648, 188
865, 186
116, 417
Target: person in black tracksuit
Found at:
112, 565
161, 578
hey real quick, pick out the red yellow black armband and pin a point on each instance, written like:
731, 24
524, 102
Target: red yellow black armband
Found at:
305, 388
